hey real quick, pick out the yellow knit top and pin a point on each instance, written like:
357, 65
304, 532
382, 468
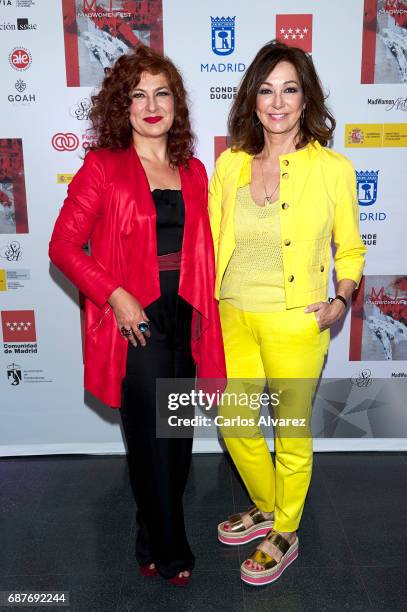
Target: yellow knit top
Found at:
254, 278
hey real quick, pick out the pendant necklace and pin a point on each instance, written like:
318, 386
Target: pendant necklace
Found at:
267, 198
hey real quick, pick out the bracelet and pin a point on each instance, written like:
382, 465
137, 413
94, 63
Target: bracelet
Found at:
338, 297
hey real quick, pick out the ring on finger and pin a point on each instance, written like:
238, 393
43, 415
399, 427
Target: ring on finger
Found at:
126, 332
143, 326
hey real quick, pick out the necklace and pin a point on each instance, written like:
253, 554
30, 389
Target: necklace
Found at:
267, 197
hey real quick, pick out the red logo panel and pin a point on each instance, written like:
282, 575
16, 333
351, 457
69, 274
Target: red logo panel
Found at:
20, 58
67, 141
18, 326
295, 31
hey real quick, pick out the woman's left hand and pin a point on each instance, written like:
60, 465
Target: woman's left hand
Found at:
325, 313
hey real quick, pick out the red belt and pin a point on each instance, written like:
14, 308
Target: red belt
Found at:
170, 261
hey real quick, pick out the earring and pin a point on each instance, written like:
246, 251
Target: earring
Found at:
302, 116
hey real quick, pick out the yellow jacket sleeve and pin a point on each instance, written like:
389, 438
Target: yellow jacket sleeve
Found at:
350, 252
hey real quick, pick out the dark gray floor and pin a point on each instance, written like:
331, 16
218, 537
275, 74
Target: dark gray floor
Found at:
67, 523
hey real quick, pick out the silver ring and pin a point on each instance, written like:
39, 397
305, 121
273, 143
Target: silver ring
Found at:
143, 326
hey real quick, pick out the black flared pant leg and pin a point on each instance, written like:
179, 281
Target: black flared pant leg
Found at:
159, 466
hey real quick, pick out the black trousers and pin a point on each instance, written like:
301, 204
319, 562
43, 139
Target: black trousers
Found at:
159, 467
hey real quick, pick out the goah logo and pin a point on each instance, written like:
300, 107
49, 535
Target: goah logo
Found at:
367, 186
21, 98
223, 35
20, 85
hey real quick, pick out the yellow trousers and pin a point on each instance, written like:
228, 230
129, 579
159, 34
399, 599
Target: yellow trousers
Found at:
273, 348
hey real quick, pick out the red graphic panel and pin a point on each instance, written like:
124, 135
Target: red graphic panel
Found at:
356, 323
221, 143
18, 326
97, 32
295, 30
13, 200
369, 41
379, 320
384, 41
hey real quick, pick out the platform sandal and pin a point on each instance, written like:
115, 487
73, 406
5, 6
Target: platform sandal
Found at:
236, 533
272, 568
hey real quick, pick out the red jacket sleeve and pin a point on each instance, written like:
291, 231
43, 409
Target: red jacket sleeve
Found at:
82, 210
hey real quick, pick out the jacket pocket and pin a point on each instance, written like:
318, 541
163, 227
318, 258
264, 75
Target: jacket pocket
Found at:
105, 314
316, 324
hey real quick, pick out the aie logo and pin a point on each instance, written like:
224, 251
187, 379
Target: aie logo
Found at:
20, 58
367, 186
14, 374
65, 141
223, 35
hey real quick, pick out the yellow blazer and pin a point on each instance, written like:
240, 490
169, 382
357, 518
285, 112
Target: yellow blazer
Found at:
318, 201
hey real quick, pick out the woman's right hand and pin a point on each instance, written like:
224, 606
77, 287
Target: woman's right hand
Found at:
129, 314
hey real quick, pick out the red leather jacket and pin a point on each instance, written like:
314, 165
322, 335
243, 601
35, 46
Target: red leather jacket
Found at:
109, 203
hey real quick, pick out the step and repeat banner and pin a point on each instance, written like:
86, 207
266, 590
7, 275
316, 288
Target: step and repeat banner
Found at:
52, 56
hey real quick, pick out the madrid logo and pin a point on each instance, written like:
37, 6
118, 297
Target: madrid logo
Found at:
295, 30
223, 35
20, 58
18, 326
367, 186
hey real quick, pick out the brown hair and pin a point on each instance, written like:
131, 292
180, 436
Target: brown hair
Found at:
245, 130
110, 107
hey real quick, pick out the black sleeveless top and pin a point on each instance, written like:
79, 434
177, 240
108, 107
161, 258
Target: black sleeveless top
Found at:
170, 210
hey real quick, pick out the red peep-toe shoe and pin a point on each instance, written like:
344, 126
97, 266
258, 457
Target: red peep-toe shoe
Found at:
146, 570
180, 581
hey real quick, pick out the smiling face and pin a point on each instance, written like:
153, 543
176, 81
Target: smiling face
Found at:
280, 100
151, 112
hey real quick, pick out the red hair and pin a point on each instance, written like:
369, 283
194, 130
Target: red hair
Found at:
110, 107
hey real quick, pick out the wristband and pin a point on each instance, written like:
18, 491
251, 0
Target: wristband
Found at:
338, 297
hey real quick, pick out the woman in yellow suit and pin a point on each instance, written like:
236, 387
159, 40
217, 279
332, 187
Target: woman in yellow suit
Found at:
277, 199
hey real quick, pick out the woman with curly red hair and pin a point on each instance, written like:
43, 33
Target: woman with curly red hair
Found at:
140, 199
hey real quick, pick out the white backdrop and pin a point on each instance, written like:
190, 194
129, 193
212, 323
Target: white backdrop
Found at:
43, 405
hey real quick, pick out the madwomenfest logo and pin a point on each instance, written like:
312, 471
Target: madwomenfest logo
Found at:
97, 32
